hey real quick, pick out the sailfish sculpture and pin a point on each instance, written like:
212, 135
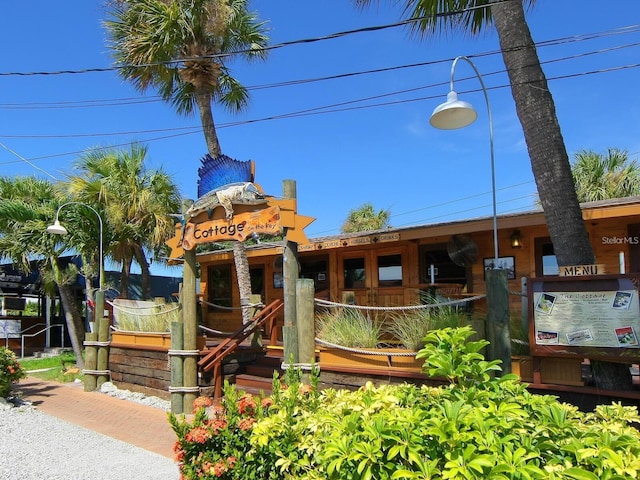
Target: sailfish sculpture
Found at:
224, 181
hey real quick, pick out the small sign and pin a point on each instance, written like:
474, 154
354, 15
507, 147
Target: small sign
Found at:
581, 270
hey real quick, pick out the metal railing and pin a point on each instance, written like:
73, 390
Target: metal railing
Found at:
23, 335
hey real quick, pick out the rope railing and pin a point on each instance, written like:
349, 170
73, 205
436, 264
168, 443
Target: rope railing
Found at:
328, 303
366, 351
131, 310
224, 307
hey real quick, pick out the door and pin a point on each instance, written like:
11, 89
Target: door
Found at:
374, 276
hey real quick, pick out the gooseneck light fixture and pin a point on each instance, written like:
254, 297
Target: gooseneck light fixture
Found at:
454, 114
58, 229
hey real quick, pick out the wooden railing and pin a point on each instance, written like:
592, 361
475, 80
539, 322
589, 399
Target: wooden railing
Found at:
213, 360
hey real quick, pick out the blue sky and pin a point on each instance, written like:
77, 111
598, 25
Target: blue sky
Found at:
356, 139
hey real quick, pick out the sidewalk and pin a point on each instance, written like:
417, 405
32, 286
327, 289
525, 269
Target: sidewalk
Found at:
144, 426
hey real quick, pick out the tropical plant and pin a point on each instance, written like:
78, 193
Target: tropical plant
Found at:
10, 371
349, 327
537, 113
182, 49
137, 205
365, 218
603, 176
478, 426
410, 327
154, 318
28, 206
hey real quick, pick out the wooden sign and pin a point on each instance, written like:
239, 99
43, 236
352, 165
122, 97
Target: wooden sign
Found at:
242, 225
581, 270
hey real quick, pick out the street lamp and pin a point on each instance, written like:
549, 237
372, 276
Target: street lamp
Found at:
455, 114
58, 229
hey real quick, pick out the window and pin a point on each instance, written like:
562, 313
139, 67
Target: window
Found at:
354, 273
219, 287
546, 261
315, 269
390, 270
436, 266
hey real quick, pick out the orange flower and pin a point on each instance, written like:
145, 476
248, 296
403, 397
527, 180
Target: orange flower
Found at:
266, 402
231, 461
246, 424
247, 404
201, 402
219, 469
198, 435
217, 425
305, 389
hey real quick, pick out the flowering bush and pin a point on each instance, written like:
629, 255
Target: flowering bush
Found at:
10, 371
479, 426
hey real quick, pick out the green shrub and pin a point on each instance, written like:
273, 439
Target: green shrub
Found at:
477, 427
10, 371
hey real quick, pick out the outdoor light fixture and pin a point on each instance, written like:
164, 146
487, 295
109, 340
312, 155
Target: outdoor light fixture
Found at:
516, 239
455, 114
58, 229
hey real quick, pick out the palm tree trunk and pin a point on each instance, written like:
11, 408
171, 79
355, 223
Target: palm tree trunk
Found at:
549, 159
547, 151
203, 100
145, 274
125, 273
244, 278
73, 321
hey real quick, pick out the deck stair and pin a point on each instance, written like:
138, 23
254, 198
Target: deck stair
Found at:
258, 376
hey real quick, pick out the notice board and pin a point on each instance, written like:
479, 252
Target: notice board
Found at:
595, 317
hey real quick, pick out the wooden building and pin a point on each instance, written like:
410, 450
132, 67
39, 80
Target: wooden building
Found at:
391, 267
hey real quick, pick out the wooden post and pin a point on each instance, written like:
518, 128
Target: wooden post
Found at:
102, 327
290, 273
305, 291
177, 377
498, 318
90, 361
189, 321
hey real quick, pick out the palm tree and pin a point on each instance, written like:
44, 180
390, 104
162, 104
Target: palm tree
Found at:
28, 206
603, 176
536, 111
137, 205
365, 218
181, 48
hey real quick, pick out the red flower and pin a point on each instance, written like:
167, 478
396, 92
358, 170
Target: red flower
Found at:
266, 402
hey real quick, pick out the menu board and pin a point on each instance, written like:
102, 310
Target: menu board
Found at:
596, 316
598, 319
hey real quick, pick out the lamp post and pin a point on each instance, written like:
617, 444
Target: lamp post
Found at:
455, 114
58, 229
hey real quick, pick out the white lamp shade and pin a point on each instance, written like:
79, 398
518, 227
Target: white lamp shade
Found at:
57, 229
453, 114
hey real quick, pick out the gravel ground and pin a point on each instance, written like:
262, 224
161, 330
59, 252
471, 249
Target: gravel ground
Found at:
37, 446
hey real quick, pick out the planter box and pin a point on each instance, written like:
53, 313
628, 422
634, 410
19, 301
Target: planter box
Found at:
522, 366
146, 339
382, 358
561, 371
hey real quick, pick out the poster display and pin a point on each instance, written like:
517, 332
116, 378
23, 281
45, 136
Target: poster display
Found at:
592, 318
10, 328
